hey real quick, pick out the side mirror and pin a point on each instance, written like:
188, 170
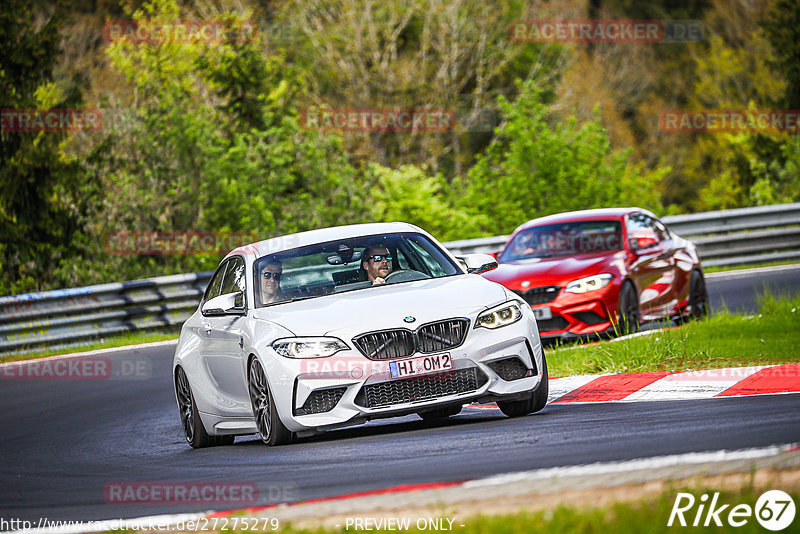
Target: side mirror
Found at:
228, 304
478, 263
637, 243
495, 254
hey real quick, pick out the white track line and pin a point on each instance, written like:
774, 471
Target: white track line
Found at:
747, 272
631, 465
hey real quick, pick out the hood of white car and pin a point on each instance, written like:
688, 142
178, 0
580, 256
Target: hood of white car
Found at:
386, 306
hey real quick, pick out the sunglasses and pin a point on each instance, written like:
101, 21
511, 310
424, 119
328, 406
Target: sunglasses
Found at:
267, 275
380, 257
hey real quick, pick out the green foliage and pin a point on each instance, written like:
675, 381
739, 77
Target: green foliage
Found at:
782, 27
40, 187
214, 144
538, 165
408, 194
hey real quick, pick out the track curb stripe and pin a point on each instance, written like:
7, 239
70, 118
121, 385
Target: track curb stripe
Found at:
611, 387
777, 379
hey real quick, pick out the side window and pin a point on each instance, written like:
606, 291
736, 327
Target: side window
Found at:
661, 230
234, 279
642, 232
434, 268
215, 285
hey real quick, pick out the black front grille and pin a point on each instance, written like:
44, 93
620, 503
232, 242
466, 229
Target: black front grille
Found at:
321, 400
387, 344
509, 368
421, 388
401, 343
442, 335
556, 323
539, 295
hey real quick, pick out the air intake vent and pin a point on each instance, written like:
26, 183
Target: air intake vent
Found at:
421, 388
321, 400
509, 368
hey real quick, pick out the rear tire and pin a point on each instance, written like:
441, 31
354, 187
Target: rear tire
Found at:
534, 403
269, 424
628, 314
193, 429
698, 296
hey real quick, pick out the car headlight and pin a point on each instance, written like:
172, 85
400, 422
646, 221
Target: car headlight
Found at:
309, 347
499, 316
590, 283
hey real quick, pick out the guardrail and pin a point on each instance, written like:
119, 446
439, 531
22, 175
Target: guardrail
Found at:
71, 316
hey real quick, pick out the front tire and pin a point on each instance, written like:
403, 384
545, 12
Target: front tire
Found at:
628, 314
272, 430
698, 296
193, 429
534, 403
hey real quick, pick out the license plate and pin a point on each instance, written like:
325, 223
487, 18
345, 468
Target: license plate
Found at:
421, 365
542, 313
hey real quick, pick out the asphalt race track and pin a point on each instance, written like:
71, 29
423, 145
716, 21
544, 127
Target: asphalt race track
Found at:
63, 442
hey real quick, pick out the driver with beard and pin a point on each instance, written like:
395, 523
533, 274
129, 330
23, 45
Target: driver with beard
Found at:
377, 262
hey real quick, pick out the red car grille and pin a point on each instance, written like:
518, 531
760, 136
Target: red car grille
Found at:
539, 295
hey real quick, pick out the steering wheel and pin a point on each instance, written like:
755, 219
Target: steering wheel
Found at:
404, 275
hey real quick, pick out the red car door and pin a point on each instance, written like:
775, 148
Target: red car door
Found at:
653, 266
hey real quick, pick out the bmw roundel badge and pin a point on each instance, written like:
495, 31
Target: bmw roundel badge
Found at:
409, 319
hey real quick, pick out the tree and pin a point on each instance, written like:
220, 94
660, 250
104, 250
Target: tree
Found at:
782, 28
40, 186
538, 165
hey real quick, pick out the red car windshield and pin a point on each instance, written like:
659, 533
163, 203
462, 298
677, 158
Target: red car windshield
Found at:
564, 239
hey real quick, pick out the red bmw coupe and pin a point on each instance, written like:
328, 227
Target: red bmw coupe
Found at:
601, 271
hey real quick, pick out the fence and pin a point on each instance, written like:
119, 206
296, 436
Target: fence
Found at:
71, 316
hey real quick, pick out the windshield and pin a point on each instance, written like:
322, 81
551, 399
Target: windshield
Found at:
348, 265
565, 239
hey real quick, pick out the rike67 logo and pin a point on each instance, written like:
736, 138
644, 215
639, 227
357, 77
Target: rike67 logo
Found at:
774, 510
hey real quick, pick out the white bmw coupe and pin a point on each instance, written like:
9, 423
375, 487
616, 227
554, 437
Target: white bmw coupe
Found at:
323, 329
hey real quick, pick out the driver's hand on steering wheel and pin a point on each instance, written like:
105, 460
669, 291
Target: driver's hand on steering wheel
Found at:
378, 280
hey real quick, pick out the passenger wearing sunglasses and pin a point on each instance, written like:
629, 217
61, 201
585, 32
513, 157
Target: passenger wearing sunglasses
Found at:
378, 263
270, 281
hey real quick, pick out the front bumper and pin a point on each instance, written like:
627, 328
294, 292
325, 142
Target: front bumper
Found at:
351, 389
580, 315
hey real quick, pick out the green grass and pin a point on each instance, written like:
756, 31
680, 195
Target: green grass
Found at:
725, 340
722, 268
131, 338
646, 514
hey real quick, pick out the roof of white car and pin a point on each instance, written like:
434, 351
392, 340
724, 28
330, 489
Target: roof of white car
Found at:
322, 235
